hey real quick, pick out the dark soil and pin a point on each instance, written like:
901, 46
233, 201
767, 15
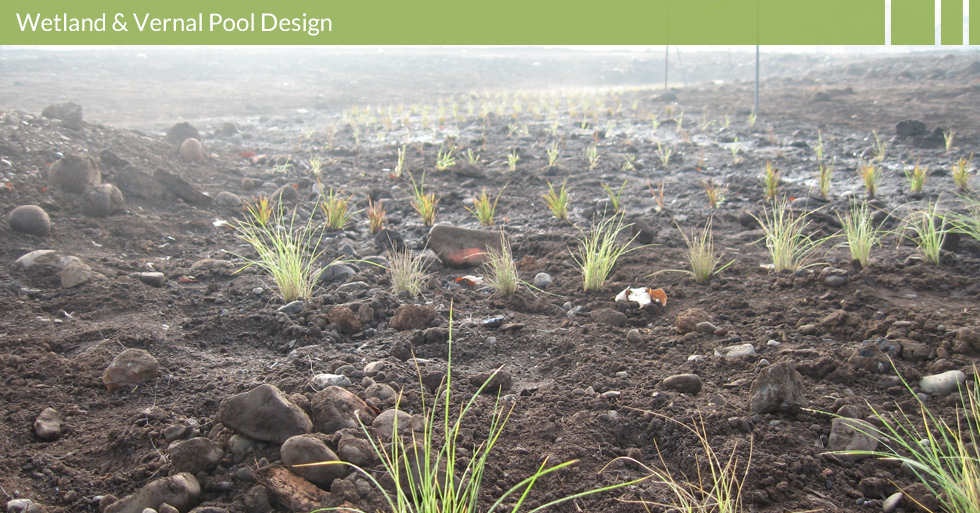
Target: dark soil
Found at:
583, 390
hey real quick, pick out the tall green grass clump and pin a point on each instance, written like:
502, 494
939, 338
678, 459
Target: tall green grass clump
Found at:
861, 232
701, 255
928, 232
789, 246
599, 250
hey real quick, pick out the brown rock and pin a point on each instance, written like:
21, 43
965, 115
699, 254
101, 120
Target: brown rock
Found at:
192, 150
30, 219
410, 317
688, 320
129, 369
75, 173
345, 320
335, 408
182, 188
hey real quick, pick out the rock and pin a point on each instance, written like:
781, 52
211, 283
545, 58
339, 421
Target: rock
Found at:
687, 321
322, 381
179, 132
46, 260
48, 425
850, 411
820, 96
75, 173
385, 422
335, 408
29, 219
808, 329
492, 383
192, 150
24, 506
921, 499
851, 435
736, 351
642, 231
668, 96
227, 199
129, 369
683, 383
292, 307
345, 320
257, 500
609, 317
69, 113
402, 349
389, 240
365, 314
943, 383
464, 247
335, 272
967, 339
841, 320
75, 274
213, 265
869, 356
264, 413
891, 503
932, 140
180, 491
705, 327
102, 200
137, 184
195, 455
111, 160
302, 449
910, 128
633, 336
542, 280
778, 387
153, 279
227, 129
410, 317
356, 451
833, 277
182, 188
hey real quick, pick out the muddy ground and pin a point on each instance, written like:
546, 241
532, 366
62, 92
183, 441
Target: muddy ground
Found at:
584, 390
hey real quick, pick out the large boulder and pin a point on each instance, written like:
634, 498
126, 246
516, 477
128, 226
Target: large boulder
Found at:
75, 173
264, 413
30, 219
102, 200
69, 113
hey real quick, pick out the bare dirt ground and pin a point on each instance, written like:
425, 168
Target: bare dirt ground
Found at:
584, 390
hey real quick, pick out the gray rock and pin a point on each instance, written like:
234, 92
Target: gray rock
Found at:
833, 277
240, 445
778, 387
891, 503
102, 200
29, 219
180, 491
192, 150
75, 173
808, 329
335, 408
943, 383
542, 280
735, 351
705, 327
463, 247
633, 336
75, 274
851, 435
227, 199
322, 381
609, 317
137, 184
24, 506
356, 451
385, 422
683, 383
48, 425
302, 449
292, 307
129, 369
182, 188
70, 114
264, 413
153, 279
910, 128
195, 455
179, 132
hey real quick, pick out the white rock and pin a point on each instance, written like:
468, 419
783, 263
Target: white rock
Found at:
943, 383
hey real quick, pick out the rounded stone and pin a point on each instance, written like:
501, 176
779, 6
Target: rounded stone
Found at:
302, 449
192, 150
683, 383
228, 199
542, 280
633, 336
102, 200
30, 219
75, 173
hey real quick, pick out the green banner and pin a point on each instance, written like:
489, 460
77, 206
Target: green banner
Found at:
444, 22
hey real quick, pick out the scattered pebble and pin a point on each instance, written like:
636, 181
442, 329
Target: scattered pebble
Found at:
943, 383
735, 351
683, 383
48, 425
705, 327
29, 219
633, 336
542, 280
293, 307
322, 381
892, 502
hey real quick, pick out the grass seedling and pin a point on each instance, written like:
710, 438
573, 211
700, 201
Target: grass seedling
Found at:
818, 148
717, 489
788, 246
424, 202
860, 232
770, 181
557, 201
336, 210
928, 227
259, 210
941, 454
614, 197
663, 153
592, 154
376, 214
658, 195
484, 208
752, 119
553, 152
916, 178
824, 178
512, 159
599, 250
961, 173
629, 162
316, 166
701, 255
714, 192
400, 165
654, 122
502, 274
881, 147
407, 273
871, 175
472, 158
736, 151
969, 223
445, 158
422, 467
948, 139
286, 251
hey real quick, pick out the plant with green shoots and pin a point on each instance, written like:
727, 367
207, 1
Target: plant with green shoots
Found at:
629, 162
259, 210
316, 165
714, 192
400, 165
472, 158
376, 215
818, 148
557, 201
948, 139
553, 152
512, 159
860, 232
824, 178
336, 210
916, 178
445, 158
406, 272
736, 150
614, 197
483, 208
592, 154
663, 153
423, 202
881, 147
701, 255
928, 232
871, 176
502, 274
599, 250
752, 119
961, 173
968, 223
789, 246
770, 180
658, 195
